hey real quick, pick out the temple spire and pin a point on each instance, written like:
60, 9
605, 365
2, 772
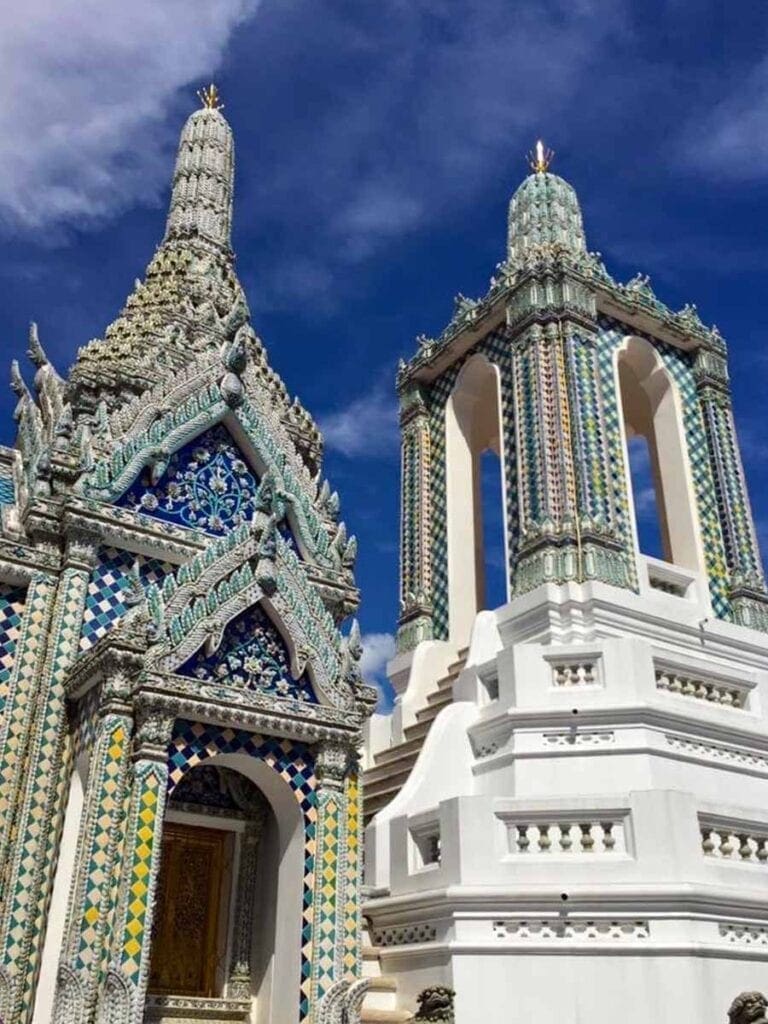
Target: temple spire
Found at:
544, 211
201, 201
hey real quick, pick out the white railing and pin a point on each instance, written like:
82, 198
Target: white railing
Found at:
714, 691
733, 843
571, 835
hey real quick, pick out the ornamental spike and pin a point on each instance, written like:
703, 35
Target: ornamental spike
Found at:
541, 158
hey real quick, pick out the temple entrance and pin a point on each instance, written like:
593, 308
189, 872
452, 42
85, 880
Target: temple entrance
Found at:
227, 930
189, 906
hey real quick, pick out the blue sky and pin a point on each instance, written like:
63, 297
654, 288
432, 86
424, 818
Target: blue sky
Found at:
377, 148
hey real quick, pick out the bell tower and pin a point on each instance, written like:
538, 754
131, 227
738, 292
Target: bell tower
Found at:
581, 364
570, 782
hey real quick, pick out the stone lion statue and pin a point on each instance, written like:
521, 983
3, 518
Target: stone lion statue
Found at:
748, 1008
436, 1004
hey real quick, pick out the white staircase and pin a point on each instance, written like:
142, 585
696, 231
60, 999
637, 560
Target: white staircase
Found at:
391, 767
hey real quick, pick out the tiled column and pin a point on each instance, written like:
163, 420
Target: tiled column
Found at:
90, 914
15, 725
350, 919
328, 950
415, 622
125, 986
747, 590
45, 780
567, 527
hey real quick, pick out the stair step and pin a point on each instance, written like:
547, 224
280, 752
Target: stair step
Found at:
416, 731
374, 778
373, 802
440, 697
431, 712
384, 1016
395, 753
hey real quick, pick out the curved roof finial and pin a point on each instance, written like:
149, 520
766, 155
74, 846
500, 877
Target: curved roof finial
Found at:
541, 158
210, 97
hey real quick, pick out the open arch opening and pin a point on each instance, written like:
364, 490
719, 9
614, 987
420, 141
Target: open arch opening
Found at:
228, 908
659, 480
476, 523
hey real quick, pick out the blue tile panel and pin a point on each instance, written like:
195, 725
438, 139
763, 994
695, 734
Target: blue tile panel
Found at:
254, 656
11, 610
104, 603
7, 490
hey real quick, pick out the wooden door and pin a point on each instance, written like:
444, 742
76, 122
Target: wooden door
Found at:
186, 923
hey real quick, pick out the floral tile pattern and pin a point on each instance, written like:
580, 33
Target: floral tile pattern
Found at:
207, 486
254, 656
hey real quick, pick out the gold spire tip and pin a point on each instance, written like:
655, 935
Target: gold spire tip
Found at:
210, 97
541, 158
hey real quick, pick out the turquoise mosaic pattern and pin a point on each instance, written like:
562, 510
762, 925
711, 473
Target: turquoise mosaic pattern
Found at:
498, 350
208, 485
741, 547
194, 743
104, 604
680, 366
254, 656
11, 610
587, 407
39, 822
7, 490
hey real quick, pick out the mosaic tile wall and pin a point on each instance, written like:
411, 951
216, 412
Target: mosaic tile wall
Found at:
104, 603
607, 499
11, 610
193, 743
254, 656
208, 485
7, 490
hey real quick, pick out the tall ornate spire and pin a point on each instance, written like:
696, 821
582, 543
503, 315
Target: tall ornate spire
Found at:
544, 211
201, 201
190, 301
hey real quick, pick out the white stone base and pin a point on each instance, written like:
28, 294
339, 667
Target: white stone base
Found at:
585, 834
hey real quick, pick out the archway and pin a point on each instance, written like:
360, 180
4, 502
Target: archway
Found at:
232, 877
658, 475
473, 427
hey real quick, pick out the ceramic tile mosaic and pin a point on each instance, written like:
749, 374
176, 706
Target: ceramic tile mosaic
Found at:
11, 610
104, 605
252, 655
194, 743
7, 490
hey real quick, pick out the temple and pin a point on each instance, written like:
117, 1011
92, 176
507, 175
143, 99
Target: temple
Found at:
181, 710
567, 811
567, 807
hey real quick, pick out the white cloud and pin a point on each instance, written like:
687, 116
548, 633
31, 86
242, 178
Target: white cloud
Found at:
447, 95
367, 426
732, 141
87, 86
378, 649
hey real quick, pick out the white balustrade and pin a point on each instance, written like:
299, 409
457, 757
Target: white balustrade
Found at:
572, 836
670, 680
574, 673
736, 845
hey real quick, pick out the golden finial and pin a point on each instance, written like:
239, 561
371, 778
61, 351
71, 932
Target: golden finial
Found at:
210, 97
541, 158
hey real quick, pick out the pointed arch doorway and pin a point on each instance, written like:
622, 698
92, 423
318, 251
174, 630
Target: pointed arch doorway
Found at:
227, 923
